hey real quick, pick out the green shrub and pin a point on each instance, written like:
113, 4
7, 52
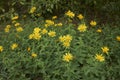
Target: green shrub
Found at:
70, 52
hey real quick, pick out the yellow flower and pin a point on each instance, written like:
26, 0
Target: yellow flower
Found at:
67, 57
118, 38
32, 10
28, 49
52, 33
82, 28
7, 28
15, 17
36, 30
44, 31
14, 46
66, 38
31, 36
17, 24
70, 14
93, 23
62, 39
99, 30
105, 49
54, 17
34, 55
37, 36
66, 44
49, 23
80, 16
99, 57
1, 48
59, 24
19, 29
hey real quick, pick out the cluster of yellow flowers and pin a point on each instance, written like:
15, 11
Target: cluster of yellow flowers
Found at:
65, 40
67, 57
36, 34
49, 23
82, 27
7, 28
17, 24
100, 57
70, 14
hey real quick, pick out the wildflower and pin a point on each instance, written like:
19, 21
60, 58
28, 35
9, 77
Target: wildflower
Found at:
59, 24
15, 17
52, 33
36, 30
54, 17
31, 36
19, 29
14, 46
93, 23
7, 28
34, 55
46, 25
17, 24
82, 28
70, 14
66, 44
67, 57
49, 22
65, 40
62, 39
37, 36
44, 31
99, 30
68, 38
80, 16
32, 10
1, 48
28, 49
105, 49
118, 38
99, 57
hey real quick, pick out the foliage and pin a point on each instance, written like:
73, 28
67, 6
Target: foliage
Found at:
68, 53
8, 8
